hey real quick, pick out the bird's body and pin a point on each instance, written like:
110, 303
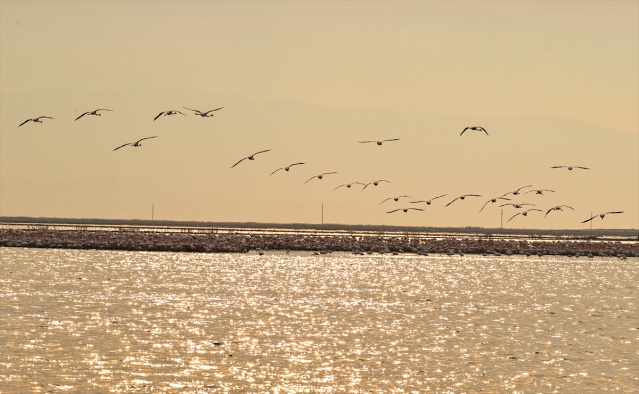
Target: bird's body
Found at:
251, 157
475, 128
135, 144
463, 197
375, 183
518, 206
524, 213
539, 191
379, 142
320, 176
166, 113
405, 209
204, 114
348, 185
570, 168
557, 208
517, 191
35, 120
287, 168
494, 200
94, 113
428, 202
602, 215
394, 198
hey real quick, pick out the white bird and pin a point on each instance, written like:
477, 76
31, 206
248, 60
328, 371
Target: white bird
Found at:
405, 209
571, 167
524, 213
320, 176
348, 185
95, 113
375, 183
517, 191
539, 191
169, 112
463, 197
602, 215
395, 198
288, 167
428, 202
557, 208
518, 206
135, 144
36, 120
379, 142
251, 157
493, 200
476, 128
204, 114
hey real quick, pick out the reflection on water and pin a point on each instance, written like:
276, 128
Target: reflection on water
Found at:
98, 321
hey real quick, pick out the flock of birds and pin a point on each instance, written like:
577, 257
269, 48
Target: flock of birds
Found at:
504, 199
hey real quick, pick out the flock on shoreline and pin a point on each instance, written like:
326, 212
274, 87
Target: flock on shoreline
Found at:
505, 199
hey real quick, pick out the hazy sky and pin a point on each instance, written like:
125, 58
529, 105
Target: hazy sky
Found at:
554, 83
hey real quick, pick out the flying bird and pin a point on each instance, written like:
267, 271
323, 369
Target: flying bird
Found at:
476, 128
517, 191
518, 206
348, 185
493, 200
379, 142
251, 157
524, 213
95, 113
36, 120
539, 191
320, 176
405, 209
169, 112
428, 202
463, 197
601, 215
204, 114
375, 183
287, 167
135, 144
394, 198
571, 167
557, 208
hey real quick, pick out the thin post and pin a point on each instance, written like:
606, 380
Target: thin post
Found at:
322, 214
152, 211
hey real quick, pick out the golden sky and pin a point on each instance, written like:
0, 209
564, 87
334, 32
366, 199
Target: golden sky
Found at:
553, 83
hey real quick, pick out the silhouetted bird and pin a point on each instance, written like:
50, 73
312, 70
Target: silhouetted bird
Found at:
35, 120
475, 128
602, 215
94, 113
251, 157
135, 144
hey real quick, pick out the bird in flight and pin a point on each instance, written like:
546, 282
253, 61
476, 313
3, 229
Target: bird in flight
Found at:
571, 167
95, 113
601, 215
463, 197
348, 185
287, 167
517, 191
36, 120
204, 114
251, 157
375, 183
428, 202
320, 176
524, 213
493, 200
539, 191
379, 142
169, 112
405, 209
557, 208
135, 144
476, 128
518, 206
394, 198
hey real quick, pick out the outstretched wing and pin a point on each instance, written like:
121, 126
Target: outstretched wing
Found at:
281, 168
239, 162
587, 220
160, 114
26, 121
145, 138
81, 115
452, 201
365, 142
194, 110
216, 109
122, 146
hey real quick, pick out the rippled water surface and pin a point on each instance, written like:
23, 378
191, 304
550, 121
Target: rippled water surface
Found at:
109, 321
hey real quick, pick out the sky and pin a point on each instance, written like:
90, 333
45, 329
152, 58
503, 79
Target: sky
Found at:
553, 83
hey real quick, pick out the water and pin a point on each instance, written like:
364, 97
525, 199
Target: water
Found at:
111, 321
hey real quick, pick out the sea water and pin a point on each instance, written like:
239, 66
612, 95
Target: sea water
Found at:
114, 321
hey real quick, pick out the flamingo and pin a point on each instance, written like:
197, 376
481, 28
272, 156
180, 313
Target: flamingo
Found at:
379, 142
169, 112
476, 128
204, 114
135, 144
287, 167
36, 120
251, 157
463, 197
95, 113
602, 215
320, 176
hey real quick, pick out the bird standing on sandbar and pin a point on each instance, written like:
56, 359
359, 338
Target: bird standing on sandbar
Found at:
320, 176
94, 113
287, 167
475, 128
379, 142
463, 197
602, 215
135, 144
35, 120
204, 114
251, 157
169, 112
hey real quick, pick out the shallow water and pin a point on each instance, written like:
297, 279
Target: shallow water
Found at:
111, 321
